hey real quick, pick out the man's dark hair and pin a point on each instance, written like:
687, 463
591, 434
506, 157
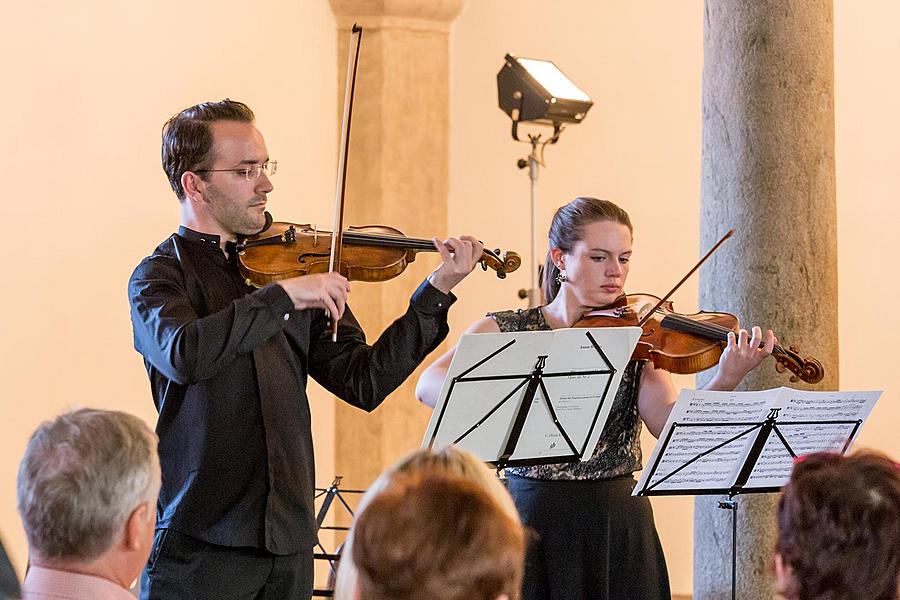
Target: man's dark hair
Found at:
187, 139
839, 527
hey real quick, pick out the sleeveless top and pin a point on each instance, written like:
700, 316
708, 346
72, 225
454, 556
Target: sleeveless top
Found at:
619, 450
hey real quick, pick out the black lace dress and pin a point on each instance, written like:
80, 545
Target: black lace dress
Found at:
592, 539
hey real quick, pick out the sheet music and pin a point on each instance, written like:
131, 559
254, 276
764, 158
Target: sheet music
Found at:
488, 368
709, 436
773, 469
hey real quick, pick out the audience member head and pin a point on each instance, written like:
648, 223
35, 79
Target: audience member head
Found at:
437, 537
450, 461
839, 529
87, 490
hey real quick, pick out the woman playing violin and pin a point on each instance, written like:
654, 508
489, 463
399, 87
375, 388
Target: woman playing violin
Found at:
594, 539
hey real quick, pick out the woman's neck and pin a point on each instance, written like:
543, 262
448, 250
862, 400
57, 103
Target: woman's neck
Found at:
564, 311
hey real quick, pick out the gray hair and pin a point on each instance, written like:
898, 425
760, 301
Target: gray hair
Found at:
81, 477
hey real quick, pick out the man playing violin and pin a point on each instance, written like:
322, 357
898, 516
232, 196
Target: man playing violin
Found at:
228, 367
593, 539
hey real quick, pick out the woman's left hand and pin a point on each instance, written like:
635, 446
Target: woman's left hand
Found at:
741, 356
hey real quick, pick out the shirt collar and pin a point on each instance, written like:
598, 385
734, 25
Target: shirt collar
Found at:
42, 582
195, 236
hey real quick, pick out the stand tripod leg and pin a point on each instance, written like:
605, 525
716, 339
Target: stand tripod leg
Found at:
731, 504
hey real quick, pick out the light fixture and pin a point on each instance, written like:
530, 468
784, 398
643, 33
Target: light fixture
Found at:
537, 91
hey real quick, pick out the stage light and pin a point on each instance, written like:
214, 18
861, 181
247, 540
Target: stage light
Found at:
537, 91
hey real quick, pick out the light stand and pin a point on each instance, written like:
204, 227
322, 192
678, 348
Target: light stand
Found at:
537, 91
534, 161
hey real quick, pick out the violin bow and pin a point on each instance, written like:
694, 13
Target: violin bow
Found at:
685, 278
334, 262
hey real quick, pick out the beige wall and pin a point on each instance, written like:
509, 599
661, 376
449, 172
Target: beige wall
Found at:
86, 88
88, 84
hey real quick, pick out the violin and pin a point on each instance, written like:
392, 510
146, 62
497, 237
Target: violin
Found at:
372, 253
686, 344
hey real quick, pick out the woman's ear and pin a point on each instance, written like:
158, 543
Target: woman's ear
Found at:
784, 576
559, 258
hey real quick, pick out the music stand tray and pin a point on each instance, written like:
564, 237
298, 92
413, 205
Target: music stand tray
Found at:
531, 397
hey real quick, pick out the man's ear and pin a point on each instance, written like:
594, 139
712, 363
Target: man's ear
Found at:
193, 185
135, 525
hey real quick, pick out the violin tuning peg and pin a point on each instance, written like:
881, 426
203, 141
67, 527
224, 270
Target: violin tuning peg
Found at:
483, 266
497, 251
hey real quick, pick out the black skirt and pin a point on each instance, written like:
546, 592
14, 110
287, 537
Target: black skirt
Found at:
592, 540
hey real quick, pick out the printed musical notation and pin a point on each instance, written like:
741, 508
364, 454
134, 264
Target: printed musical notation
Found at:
711, 436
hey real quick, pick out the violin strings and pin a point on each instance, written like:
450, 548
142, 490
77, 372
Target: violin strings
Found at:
709, 329
388, 241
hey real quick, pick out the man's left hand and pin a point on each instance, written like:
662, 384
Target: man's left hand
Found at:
458, 257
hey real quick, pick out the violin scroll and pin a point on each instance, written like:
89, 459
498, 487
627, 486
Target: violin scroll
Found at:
501, 263
808, 369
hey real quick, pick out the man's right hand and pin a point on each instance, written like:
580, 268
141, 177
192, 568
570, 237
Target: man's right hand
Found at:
322, 290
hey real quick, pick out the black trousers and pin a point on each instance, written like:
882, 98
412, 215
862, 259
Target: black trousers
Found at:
182, 567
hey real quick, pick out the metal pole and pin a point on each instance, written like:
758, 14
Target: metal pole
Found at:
533, 166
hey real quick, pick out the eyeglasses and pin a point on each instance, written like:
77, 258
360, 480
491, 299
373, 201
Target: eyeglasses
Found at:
249, 172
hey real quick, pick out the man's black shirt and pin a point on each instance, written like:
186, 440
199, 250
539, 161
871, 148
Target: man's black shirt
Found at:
228, 366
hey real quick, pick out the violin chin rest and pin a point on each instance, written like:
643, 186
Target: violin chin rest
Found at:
269, 221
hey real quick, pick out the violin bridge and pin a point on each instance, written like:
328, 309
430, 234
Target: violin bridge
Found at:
644, 310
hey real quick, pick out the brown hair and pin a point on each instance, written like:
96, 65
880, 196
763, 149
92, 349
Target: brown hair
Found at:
567, 228
187, 139
839, 527
451, 461
437, 537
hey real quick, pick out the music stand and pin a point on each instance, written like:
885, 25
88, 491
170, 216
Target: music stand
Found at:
698, 455
531, 398
328, 495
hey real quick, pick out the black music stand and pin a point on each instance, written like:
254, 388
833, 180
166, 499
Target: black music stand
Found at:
763, 437
328, 496
551, 412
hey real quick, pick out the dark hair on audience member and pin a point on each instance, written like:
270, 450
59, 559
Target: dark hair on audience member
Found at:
187, 139
437, 538
80, 478
839, 527
567, 228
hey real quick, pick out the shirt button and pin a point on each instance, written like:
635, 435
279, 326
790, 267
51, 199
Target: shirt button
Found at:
287, 316
440, 305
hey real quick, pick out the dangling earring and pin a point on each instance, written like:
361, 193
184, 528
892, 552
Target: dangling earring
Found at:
561, 276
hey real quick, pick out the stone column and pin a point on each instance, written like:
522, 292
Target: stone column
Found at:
398, 176
767, 172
